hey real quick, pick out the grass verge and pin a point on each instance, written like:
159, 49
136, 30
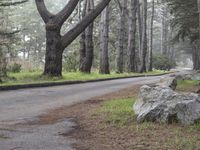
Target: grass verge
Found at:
36, 77
119, 114
188, 85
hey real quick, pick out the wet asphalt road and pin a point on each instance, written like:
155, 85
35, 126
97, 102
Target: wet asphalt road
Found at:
21, 106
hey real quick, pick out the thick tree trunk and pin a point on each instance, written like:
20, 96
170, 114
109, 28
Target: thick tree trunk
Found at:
144, 37
54, 51
151, 38
104, 38
121, 40
57, 43
132, 38
86, 64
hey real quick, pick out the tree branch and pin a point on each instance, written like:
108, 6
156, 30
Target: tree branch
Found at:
2, 4
80, 27
64, 14
44, 13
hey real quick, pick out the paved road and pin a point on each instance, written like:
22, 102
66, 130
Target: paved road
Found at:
19, 105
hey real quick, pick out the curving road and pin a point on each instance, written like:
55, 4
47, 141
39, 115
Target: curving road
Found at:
21, 106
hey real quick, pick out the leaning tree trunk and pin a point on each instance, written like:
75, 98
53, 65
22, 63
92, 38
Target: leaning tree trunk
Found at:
144, 37
104, 38
55, 43
132, 38
121, 40
151, 38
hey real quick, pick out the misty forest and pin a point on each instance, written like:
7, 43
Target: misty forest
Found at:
109, 74
86, 36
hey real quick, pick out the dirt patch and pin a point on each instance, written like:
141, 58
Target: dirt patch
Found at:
93, 133
78, 111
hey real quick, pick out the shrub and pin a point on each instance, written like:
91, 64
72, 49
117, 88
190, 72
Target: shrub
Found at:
15, 68
162, 62
71, 62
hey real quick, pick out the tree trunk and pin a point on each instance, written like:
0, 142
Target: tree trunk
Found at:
121, 40
132, 38
86, 64
144, 37
55, 42
82, 39
164, 30
138, 50
54, 51
104, 38
198, 45
139, 15
151, 38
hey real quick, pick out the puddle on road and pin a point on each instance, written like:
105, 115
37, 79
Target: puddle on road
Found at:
37, 137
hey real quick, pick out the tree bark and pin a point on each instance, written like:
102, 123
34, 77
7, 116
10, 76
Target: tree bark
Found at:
144, 37
151, 38
139, 15
197, 67
164, 29
56, 43
54, 51
82, 39
132, 38
139, 23
86, 63
104, 38
121, 40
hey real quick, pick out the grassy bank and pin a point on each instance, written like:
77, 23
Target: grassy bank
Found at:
119, 114
188, 85
35, 77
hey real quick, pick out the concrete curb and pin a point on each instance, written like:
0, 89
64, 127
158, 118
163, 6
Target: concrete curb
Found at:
49, 84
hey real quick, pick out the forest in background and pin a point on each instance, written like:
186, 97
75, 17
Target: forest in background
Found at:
128, 36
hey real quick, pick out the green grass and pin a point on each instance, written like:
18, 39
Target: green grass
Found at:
36, 77
187, 85
118, 112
